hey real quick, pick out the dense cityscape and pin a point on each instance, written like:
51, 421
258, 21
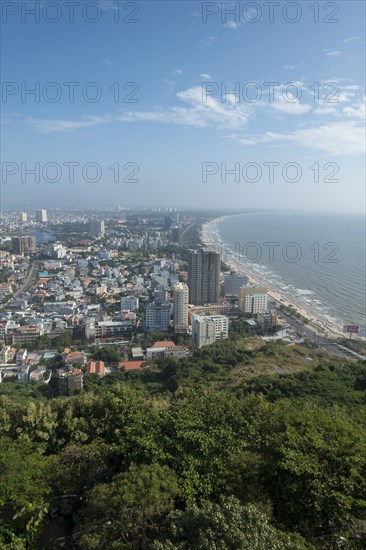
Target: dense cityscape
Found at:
95, 302
111, 284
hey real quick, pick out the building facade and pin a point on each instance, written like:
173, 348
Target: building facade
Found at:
208, 329
252, 299
180, 315
97, 228
130, 303
158, 316
41, 215
25, 245
204, 277
232, 284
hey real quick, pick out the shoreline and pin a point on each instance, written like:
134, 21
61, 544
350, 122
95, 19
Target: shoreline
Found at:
331, 330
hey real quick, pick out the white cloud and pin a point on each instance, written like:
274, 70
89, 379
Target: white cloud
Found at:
352, 39
177, 72
290, 106
334, 54
206, 76
197, 112
289, 67
352, 87
340, 138
231, 25
357, 111
49, 126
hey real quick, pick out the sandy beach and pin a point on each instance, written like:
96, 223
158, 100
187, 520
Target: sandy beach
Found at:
319, 325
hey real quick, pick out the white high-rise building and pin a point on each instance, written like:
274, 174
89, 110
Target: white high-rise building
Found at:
252, 299
55, 250
97, 228
23, 217
41, 215
208, 329
180, 315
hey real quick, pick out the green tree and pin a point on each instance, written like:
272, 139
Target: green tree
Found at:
226, 525
79, 467
128, 512
200, 434
24, 487
316, 471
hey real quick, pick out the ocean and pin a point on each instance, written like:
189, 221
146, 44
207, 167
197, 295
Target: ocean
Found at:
315, 260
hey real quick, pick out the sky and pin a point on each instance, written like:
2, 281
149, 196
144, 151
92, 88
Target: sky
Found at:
184, 104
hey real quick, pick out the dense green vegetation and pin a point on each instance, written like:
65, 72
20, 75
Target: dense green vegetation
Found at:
212, 452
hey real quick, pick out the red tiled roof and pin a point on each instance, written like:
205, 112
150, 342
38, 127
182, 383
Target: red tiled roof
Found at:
164, 344
132, 365
95, 367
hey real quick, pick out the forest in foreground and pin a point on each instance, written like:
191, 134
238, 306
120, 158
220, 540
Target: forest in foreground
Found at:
190, 455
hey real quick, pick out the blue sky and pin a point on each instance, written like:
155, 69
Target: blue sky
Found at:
173, 127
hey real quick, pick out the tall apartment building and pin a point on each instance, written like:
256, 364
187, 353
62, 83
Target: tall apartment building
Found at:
180, 315
252, 299
26, 244
158, 316
204, 277
130, 303
233, 282
23, 217
97, 228
41, 215
208, 329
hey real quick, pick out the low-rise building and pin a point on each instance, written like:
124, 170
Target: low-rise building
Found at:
95, 367
132, 365
74, 358
7, 355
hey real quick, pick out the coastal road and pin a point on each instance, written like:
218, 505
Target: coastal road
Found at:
305, 332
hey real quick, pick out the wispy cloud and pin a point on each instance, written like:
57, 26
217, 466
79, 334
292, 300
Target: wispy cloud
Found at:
340, 138
177, 72
333, 54
108, 62
231, 25
197, 113
205, 76
50, 126
352, 39
207, 42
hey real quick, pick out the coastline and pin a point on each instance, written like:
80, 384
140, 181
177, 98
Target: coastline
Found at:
329, 329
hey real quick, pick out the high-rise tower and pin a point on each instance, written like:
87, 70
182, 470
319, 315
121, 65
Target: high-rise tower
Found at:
204, 277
